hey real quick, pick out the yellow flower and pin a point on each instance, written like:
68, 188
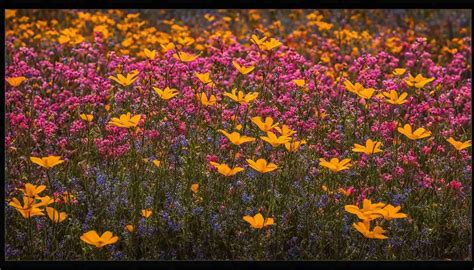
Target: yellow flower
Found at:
358, 89
44, 201
257, 41
92, 238
202, 97
205, 78
28, 209
368, 212
275, 141
399, 71
157, 163
146, 213
126, 81
394, 98
15, 81
458, 144
55, 215
261, 165
322, 26
130, 227
390, 212
150, 54
125, 121
294, 146
240, 97
264, 126
299, 83
419, 81
32, 191
270, 44
364, 229
236, 138
302, 84
335, 165
47, 162
285, 131
371, 147
195, 188
226, 170
166, 94
243, 70
87, 117
185, 57
420, 133
167, 47
257, 221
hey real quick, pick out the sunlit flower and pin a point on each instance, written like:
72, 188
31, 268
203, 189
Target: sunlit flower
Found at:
195, 188
458, 144
125, 120
130, 227
369, 210
236, 138
185, 57
257, 41
226, 170
371, 147
240, 97
15, 81
266, 126
275, 141
262, 166
365, 93
270, 44
243, 70
44, 201
167, 47
390, 212
258, 222
28, 209
150, 54
92, 238
335, 165
86, 117
394, 98
202, 97
399, 71
419, 81
126, 81
55, 215
364, 229
301, 84
294, 146
47, 162
285, 131
32, 191
205, 78
146, 213
167, 93
157, 163
419, 133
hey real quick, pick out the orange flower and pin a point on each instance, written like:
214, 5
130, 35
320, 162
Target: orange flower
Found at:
335, 165
92, 238
226, 170
47, 162
262, 165
257, 221
419, 133
146, 213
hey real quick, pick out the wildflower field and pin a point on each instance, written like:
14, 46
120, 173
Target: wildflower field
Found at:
238, 135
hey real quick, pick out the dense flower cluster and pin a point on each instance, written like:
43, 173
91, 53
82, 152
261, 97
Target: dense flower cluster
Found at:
230, 134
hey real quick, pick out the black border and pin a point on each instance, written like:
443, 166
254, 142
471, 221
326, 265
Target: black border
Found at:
214, 4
